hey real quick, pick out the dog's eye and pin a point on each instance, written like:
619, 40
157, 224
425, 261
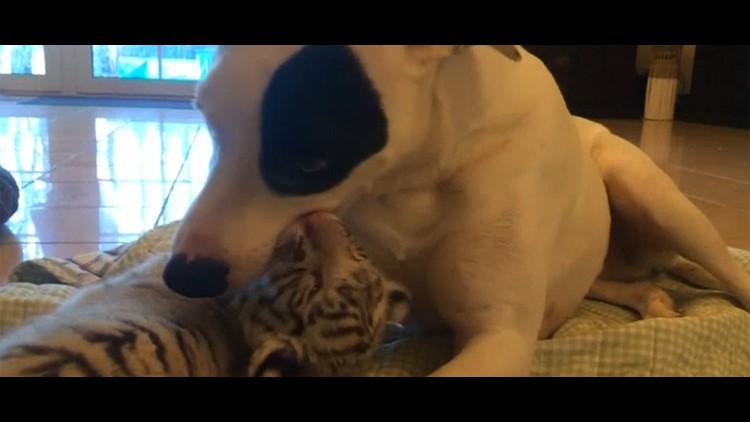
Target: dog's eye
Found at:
310, 166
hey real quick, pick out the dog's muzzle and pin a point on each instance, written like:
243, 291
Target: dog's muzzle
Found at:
198, 278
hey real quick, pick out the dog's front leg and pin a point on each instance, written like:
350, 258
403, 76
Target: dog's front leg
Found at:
488, 284
505, 353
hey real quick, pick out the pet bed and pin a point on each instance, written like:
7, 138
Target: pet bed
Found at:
711, 339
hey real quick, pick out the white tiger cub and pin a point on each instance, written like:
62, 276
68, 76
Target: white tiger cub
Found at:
320, 309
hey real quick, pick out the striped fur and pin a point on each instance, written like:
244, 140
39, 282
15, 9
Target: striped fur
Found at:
132, 325
325, 312
128, 325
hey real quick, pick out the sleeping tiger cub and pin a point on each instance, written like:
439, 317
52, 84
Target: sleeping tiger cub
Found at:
320, 309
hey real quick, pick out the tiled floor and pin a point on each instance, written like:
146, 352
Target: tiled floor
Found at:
93, 177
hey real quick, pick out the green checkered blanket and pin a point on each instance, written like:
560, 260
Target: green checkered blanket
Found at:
711, 339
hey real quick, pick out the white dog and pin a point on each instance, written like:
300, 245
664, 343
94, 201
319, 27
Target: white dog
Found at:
464, 174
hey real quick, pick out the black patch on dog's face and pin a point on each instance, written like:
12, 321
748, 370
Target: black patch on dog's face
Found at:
320, 118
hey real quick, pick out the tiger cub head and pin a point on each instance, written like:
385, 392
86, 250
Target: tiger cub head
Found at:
322, 306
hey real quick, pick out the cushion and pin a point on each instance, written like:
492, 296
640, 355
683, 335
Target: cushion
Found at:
712, 338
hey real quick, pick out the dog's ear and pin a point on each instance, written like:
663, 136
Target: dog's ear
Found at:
509, 51
426, 54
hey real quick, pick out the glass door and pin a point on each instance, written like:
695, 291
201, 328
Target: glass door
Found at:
30, 68
153, 70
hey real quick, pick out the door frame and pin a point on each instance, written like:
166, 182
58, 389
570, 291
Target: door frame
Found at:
51, 81
86, 83
69, 72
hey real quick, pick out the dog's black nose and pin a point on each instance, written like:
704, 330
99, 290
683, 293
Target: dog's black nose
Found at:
201, 277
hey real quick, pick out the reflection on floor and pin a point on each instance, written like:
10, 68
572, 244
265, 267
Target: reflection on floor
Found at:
94, 177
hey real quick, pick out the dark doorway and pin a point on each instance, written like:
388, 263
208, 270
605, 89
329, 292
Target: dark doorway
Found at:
598, 81
720, 91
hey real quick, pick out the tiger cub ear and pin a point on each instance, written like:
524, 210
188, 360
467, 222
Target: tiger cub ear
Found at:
399, 301
276, 357
290, 248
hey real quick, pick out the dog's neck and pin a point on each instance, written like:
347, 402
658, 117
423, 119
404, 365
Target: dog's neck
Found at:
473, 106
465, 107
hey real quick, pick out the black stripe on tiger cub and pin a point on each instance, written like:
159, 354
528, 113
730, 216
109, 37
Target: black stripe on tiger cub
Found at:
317, 285
278, 278
114, 346
268, 311
180, 337
299, 324
272, 320
199, 334
63, 357
349, 294
296, 299
277, 315
358, 348
332, 333
260, 321
320, 313
155, 339
291, 283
